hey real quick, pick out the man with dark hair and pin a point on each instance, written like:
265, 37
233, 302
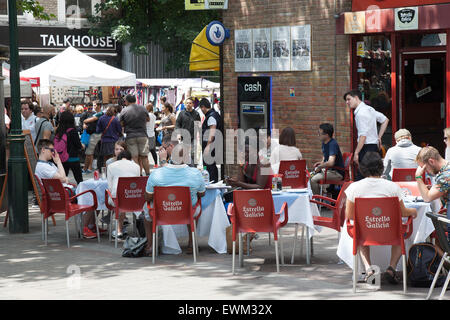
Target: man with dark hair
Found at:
45, 168
133, 119
187, 120
210, 126
123, 167
90, 125
366, 118
28, 117
332, 157
373, 186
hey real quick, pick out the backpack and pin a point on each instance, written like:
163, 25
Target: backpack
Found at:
61, 146
423, 262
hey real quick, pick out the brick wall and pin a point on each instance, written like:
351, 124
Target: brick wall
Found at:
50, 7
314, 100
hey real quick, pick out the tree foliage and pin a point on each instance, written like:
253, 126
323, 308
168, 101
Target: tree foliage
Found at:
163, 22
35, 8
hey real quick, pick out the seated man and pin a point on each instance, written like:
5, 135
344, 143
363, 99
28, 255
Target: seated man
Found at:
373, 186
174, 173
45, 168
402, 155
332, 157
123, 167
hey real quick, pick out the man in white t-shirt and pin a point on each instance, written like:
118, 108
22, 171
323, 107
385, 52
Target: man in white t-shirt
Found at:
28, 117
373, 186
123, 167
7, 120
45, 169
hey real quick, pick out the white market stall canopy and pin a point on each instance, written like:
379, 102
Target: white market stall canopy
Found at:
25, 88
74, 68
180, 82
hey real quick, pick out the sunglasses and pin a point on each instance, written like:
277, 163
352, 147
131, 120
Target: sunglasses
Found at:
52, 150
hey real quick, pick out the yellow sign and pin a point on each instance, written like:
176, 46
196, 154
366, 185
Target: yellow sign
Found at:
194, 4
360, 52
355, 22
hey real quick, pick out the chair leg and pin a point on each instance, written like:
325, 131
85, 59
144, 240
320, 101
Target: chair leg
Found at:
444, 288
42, 228
295, 241
436, 276
157, 241
301, 240
233, 258
67, 233
276, 256
153, 249
117, 230
404, 274
196, 242
355, 271
248, 235
308, 246
96, 225
241, 252
194, 251
269, 239
45, 231
281, 247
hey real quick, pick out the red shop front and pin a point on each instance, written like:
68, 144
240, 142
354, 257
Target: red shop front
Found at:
400, 61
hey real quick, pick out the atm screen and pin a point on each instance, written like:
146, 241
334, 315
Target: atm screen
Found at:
253, 108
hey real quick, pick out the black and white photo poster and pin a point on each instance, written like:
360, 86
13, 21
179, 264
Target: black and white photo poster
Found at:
301, 48
243, 50
281, 49
261, 50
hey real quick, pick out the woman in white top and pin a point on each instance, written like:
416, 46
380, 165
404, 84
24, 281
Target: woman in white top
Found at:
286, 149
447, 143
373, 186
151, 132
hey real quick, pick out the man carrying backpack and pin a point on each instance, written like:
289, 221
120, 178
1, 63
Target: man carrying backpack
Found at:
90, 125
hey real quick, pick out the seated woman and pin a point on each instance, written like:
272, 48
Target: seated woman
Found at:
373, 186
286, 149
119, 146
252, 175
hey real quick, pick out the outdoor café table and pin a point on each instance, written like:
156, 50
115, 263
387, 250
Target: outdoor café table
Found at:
212, 223
99, 186
380, 255
300, 211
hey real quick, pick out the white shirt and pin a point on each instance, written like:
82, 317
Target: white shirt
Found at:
45, 169
366, 119
29, 124
151, 125
120, 168
282, 153
402, 155
7, 119
447, 153
373, 188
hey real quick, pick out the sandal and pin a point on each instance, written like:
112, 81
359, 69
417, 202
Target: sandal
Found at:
391, 276
369, 273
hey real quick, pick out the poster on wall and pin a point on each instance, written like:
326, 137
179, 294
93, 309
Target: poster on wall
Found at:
281, 49
301, 48
243, 45
261, 50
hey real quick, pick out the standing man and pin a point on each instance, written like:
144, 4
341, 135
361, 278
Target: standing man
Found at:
90, 125
134, 120
211, 124
44, 128
186, 120
28, 117
332, 157
366, 119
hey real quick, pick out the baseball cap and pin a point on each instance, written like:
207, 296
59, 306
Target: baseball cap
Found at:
401, 133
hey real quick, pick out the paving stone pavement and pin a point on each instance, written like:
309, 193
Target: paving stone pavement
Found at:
96, 271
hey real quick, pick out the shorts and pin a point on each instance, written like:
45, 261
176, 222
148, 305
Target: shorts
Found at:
138, 146
93, 140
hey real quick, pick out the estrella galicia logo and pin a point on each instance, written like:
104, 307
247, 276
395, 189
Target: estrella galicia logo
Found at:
406, 15
171, 197
133, 185
376, 211
252, 202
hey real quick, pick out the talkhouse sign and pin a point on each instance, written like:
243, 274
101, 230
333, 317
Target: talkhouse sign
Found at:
58, 38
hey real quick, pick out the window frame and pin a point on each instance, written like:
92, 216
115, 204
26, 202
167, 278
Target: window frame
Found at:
62, 11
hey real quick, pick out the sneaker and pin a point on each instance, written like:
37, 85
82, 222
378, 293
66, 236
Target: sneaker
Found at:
119, 235
86, 171
88, 234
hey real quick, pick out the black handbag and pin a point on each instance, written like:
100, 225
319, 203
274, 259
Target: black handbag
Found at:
134, 247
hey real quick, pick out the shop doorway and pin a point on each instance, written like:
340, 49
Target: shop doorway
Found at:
422, 98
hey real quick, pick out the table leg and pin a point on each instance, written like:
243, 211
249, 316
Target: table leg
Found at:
308, 246
295, 241
241, 251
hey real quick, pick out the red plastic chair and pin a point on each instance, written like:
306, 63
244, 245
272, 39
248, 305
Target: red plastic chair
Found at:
347, 157
59, 201
407, 175
172, 206
293, 173
385, 228
336, 206
253, 211
130, 197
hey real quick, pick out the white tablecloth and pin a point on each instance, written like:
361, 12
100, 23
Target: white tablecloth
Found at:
212, 224
380, 255
99, 186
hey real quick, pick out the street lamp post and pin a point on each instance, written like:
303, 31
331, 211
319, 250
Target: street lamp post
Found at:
17, 168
